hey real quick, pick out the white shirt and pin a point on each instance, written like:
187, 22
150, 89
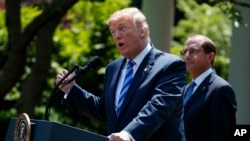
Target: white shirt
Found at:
138, 59
201, 77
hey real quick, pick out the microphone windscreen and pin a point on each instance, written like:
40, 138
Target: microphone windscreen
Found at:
95, 61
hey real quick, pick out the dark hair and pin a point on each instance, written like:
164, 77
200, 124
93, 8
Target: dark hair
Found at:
208, 46
206, 43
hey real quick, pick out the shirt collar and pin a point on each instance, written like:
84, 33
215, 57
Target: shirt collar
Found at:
138, 59
201, 77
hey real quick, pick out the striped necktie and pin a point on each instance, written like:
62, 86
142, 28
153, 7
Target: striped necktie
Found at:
126, 83
189, 92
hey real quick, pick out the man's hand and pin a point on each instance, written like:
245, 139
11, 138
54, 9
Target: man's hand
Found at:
121, 136
62, 86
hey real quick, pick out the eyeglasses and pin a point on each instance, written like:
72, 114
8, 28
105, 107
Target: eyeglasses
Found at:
191, 51
121, 28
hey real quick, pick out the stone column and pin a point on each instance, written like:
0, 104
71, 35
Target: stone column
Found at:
159, 14
239, 70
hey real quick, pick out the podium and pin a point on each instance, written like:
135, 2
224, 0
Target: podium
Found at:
43, 130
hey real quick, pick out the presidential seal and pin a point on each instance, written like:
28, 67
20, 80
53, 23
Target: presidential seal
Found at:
22, 128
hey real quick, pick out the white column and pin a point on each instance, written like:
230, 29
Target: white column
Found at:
239, 71
159, 14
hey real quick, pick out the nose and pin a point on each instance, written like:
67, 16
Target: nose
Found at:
187, 53
187, 56
116, 34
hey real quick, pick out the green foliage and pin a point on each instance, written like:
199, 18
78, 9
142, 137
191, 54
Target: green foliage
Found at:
3, 32
209, 21
28, 13
81, 35
82, 31
5, 115
229, 9
3, 39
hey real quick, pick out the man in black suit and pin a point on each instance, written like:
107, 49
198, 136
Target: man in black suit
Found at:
210, 109
152, 108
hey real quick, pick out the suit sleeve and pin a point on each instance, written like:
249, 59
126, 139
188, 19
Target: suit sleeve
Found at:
85, 103
223, 108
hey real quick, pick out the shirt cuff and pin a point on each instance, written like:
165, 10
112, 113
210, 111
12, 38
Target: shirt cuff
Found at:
130, 136
66, 94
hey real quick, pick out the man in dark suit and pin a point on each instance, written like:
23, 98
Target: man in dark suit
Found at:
152, 108
210, 110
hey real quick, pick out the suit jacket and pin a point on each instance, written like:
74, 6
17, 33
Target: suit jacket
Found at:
209, 115
153, 107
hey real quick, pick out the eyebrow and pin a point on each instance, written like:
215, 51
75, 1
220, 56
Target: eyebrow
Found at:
114, 27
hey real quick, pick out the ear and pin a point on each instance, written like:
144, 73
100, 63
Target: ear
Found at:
211, 56
142, 32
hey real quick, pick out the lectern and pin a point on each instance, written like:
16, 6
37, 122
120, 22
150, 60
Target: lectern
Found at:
43, 130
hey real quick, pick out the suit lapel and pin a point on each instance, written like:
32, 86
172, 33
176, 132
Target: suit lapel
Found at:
116, 72
144, 68
200, 91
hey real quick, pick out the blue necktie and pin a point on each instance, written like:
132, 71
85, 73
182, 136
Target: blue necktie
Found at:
126, 83
189, 92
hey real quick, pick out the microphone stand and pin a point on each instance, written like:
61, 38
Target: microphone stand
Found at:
55, 90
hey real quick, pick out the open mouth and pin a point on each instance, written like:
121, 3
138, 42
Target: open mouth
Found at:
120, 44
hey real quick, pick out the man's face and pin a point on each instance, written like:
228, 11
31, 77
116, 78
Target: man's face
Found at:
197, 61
126, 37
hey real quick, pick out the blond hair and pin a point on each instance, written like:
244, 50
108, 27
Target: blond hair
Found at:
135, 14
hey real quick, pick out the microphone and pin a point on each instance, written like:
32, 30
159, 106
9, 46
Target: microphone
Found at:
94, 62
79, 72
